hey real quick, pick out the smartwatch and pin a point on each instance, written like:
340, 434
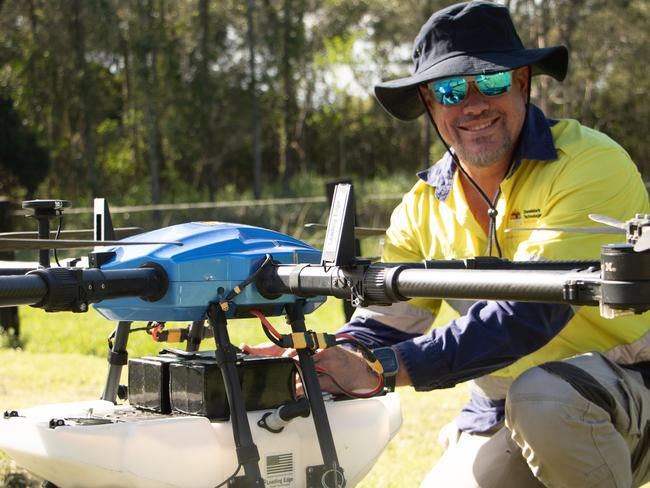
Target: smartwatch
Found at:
387, 357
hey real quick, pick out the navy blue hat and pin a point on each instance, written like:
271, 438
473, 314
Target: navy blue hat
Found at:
466, 39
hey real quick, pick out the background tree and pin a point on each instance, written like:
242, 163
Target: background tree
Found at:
145, 101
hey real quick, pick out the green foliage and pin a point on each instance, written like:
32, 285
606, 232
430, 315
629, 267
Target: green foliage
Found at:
148, 102
23, 160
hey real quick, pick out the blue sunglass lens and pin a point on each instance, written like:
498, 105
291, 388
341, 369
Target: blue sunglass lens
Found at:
452, 91
494, 84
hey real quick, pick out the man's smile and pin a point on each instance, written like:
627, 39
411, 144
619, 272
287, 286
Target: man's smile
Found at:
478, 126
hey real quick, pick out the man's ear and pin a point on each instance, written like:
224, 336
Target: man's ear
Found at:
522, 79
425, 96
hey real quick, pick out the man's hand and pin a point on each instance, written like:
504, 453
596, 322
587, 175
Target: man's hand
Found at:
348, 368
267, 349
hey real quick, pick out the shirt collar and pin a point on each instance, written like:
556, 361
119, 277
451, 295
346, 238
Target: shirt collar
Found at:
536, 144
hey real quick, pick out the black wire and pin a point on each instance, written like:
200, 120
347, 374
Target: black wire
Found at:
338, 385
345, 392
225, 482
271, 337
365, 350
111, 336
232, 294
138, 329
56, 237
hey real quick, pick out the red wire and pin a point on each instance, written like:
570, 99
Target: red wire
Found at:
344, 335
276, 334
266, 323
369, 394
154, 332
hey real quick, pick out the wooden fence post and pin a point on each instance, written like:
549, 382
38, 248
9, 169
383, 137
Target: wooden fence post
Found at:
8, 315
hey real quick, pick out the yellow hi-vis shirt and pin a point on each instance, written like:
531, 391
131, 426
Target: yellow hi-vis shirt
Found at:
590, 174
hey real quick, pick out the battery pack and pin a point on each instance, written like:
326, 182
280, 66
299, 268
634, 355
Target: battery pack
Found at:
196, 386
149, 382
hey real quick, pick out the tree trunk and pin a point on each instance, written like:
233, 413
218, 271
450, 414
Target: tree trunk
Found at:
145, 52
286, 164
255, 116
89, 151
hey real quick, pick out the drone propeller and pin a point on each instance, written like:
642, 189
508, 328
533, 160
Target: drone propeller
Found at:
584, 230
358, 231
609, 221
120, 233
637, 229
20, 244
613, 226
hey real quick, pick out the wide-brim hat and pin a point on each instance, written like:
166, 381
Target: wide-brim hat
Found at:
461, 40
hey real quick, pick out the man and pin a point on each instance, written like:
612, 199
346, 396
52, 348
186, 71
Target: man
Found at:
532, 420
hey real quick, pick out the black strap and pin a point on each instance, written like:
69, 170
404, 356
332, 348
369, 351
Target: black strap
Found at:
247, 454
118, 358
584, 383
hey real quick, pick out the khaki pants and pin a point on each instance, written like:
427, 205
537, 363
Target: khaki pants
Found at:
556, 437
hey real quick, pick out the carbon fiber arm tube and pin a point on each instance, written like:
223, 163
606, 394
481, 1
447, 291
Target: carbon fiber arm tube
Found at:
21, 290
522, 285
392, 283
58, 289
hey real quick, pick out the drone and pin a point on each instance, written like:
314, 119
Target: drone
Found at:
228, 419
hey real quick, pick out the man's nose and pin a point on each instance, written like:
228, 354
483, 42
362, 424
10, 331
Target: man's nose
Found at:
475, 102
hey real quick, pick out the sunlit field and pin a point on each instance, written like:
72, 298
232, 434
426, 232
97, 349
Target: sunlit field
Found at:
62, 358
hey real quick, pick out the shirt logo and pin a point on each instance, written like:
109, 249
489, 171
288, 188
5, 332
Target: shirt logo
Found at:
528, 213
532, 213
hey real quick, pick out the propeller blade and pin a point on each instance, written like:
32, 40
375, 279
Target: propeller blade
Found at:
583, 230
358, 231
604, 219
20, 244
120, 233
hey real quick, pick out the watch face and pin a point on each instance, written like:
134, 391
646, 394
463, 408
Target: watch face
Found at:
388, 359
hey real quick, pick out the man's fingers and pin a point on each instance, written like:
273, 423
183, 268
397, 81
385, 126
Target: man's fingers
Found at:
348, 368
264, 349
290, 353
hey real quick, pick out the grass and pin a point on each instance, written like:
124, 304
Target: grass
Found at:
62, 358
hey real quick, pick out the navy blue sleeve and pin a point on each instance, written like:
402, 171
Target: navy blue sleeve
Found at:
490, 336
373, 333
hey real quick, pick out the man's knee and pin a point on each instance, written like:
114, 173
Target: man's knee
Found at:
541, 411
533, 399
549, 395
563, 426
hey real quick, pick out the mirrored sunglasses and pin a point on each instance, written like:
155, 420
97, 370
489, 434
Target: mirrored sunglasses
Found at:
452, 91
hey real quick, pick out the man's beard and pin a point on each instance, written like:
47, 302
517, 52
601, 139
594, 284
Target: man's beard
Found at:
487, 158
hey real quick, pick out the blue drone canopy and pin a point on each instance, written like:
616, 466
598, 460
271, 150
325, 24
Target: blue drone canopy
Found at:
215, 257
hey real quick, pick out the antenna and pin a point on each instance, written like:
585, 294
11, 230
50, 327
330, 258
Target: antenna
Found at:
339, 246
44, 210
102, 222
